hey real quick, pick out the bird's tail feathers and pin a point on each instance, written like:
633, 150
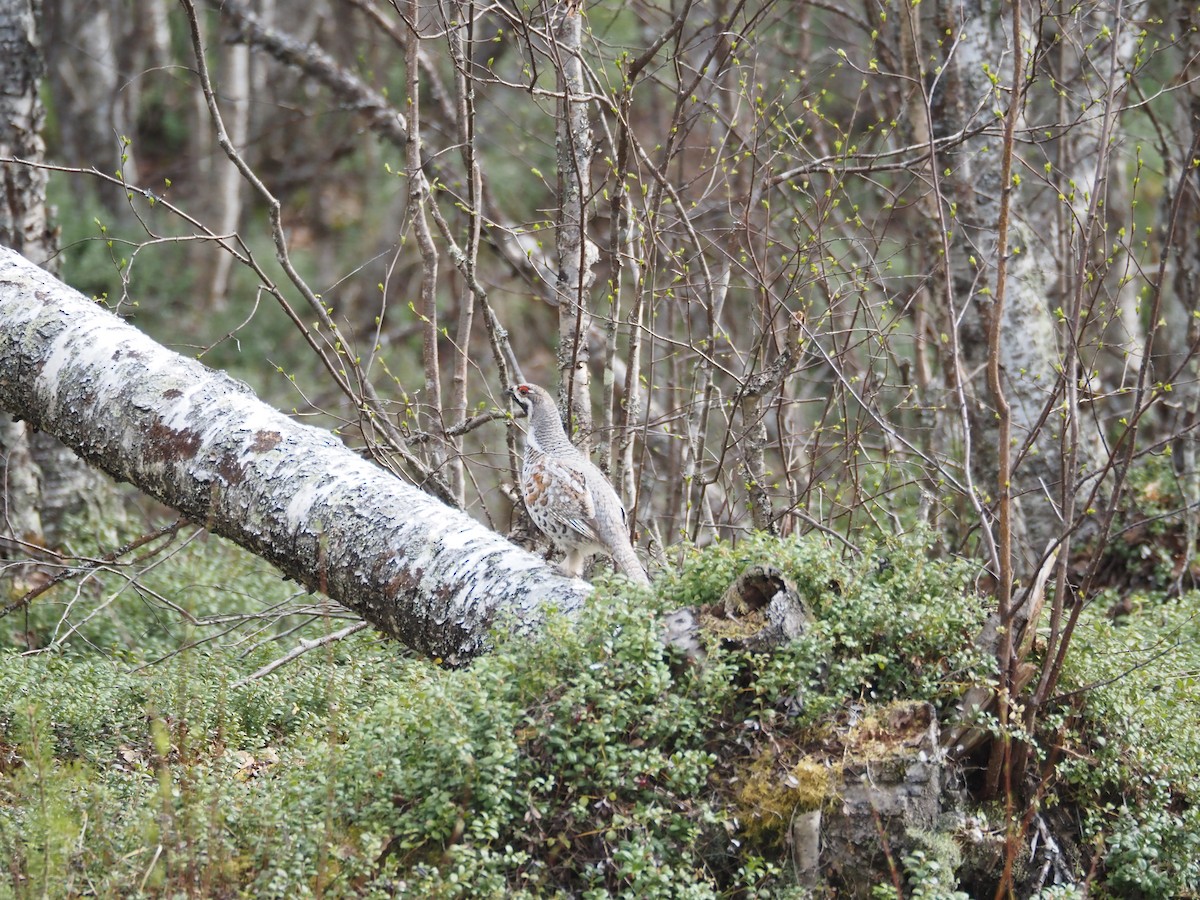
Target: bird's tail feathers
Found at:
630, 566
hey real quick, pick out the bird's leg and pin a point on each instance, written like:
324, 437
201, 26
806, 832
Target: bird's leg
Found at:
572, 565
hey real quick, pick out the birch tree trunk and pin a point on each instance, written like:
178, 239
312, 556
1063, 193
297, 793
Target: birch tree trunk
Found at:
1182, 336
576, 252
202, 443
23, 226
236, 94
40, 480
80, 48
1030, 359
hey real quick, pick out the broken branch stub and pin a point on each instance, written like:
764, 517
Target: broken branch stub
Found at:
760, 610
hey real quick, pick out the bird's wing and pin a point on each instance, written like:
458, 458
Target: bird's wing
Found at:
609, 510
559, 490
612, 527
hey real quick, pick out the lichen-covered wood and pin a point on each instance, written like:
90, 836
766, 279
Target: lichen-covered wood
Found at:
202, 443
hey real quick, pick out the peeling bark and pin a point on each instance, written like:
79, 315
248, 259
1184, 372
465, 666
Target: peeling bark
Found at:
201, 442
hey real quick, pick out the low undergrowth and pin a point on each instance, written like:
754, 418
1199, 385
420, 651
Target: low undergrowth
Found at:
1132, 760
588, 761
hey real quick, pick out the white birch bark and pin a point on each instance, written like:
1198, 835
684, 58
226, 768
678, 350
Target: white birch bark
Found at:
23, 221
41, 482
1030, 357
1181, 337
236, 100
202, 443
23, 226
576, 252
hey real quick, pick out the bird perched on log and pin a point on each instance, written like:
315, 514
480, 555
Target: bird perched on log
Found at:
567, 496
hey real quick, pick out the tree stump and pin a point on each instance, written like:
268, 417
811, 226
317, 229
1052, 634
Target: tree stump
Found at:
890, 783
761, 610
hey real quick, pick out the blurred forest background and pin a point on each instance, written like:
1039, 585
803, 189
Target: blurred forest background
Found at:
738, 169
855, 269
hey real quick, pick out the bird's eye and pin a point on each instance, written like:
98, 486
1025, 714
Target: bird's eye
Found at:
524, 388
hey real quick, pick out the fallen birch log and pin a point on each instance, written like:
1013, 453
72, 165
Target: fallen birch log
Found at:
204, 444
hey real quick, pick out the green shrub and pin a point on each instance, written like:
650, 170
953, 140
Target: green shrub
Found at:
588, 759
1134, 765
889, 623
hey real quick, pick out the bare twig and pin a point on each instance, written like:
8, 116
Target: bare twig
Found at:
300, 649
92, 564
333, 350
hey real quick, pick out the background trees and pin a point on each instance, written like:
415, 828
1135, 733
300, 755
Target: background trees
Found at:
771, 234
674, 185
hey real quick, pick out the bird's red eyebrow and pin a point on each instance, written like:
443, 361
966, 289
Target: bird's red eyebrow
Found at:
523, 388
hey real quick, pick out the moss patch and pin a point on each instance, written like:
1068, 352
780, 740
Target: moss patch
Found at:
773, 791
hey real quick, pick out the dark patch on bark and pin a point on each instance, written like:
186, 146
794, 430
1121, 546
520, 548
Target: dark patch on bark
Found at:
404, 584
35, 370
265, 440
172, 394
167, 444
230, 469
